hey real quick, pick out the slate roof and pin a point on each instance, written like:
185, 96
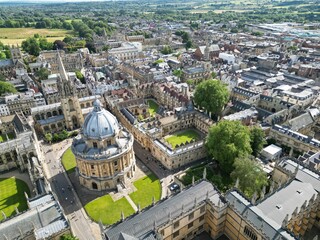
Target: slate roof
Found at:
45, 219
301, 121
6, 63
141, 226
284, 202
51, 120
256, 217
304, 174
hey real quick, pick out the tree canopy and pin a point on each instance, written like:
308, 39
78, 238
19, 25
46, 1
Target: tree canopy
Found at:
226, 141
34, 45
250, 175
257, 140
42, 73
80, 76
212, 95
68, 237
6, 87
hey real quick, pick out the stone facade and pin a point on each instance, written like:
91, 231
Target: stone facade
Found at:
72, 61
201, 208
103, 151
151, 135
18, 148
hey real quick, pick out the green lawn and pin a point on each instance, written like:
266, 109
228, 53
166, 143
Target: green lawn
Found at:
12, 196
69, 161
182, 137
108, 211
147, 187
153, 107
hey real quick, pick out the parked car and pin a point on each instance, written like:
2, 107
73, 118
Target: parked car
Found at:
174, 187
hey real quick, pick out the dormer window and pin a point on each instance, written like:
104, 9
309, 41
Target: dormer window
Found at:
95, 145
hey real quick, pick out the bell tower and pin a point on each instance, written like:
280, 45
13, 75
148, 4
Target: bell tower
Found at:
69, 100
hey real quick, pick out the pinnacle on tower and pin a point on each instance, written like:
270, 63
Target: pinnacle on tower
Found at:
62, 71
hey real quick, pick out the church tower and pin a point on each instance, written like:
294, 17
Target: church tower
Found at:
69, 100
15, 53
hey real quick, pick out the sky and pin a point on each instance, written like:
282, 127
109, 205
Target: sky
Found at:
46, 1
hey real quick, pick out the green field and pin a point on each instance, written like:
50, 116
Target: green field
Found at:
147, 188
12, 196
182, 137
17, 35
69, 161
107, 211
153, 107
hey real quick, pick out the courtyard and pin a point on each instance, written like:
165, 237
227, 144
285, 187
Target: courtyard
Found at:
153, 107
69, 161
12, 196
182, 137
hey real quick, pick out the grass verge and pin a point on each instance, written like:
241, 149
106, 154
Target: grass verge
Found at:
69, 161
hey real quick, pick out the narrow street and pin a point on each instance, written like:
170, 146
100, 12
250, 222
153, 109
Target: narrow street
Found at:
81, 225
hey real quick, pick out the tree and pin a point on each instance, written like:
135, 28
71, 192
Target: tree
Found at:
31, 46
250, 175
6, 87
212, 95
42, 73
177, 73
68, 237
213, 75
226, 141
166, 50
58, 44
3, 55
257, 140
80, 77
188, 44
48, 137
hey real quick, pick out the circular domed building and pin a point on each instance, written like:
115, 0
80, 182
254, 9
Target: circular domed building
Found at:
104, 151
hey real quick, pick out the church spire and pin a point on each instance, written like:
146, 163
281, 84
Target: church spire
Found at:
62, 71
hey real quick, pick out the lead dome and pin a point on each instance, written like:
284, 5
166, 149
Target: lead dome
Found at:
100, 123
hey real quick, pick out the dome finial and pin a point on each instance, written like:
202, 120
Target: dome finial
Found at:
97, 105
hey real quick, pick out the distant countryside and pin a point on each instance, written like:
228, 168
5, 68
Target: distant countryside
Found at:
17, 35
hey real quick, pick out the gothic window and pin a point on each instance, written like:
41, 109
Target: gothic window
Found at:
70, 103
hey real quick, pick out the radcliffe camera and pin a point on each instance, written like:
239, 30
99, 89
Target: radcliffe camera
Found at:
159, 120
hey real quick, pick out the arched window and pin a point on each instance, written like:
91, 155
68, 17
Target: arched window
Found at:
70, 103
94, 185
95, 145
